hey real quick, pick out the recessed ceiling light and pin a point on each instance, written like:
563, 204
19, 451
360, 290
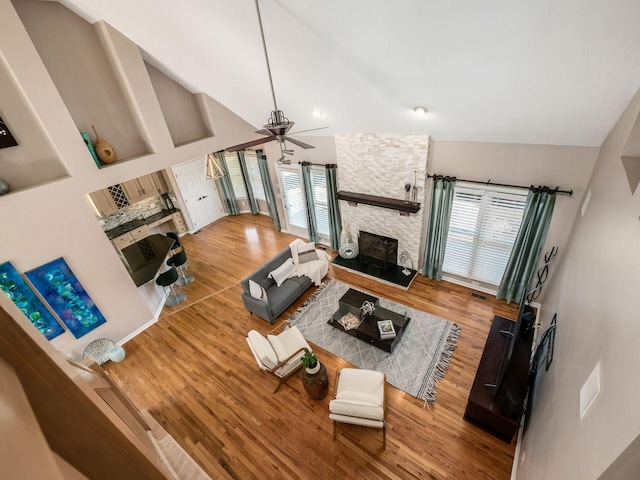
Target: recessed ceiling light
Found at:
317, 113
421, 110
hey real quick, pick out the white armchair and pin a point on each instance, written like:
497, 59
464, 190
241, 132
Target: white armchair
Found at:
279, 354
360, 400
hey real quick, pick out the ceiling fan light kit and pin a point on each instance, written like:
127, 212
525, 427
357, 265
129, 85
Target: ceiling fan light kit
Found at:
277, 125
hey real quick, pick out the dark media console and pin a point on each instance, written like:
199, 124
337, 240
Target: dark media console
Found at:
499, 412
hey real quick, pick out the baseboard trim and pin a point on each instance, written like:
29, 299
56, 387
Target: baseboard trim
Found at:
156, 317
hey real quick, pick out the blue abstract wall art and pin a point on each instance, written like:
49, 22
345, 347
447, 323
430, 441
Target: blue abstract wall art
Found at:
14, 286
66, 296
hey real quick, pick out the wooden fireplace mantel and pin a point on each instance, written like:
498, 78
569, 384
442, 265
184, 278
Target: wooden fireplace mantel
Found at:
392, 203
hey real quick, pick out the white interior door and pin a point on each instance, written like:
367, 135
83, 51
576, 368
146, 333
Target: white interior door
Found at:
210, 197
200, 196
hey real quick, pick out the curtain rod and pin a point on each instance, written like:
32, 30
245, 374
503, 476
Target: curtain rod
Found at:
326, 165
489, 182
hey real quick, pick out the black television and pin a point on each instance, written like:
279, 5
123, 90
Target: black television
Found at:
517, 331
377, 250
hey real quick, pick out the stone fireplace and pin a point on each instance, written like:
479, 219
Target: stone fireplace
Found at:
377, 164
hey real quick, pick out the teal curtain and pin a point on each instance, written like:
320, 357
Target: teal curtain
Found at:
253, 203
268, 189
528, 246
308, 195
230, 202
335, 218
441, 202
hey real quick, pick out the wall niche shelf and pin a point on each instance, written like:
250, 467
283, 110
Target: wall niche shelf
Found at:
185, 113
83, 63
405, 208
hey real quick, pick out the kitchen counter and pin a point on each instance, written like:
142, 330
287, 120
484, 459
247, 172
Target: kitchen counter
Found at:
133, 224
146, 257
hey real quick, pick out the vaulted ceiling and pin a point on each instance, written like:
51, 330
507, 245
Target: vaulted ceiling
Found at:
519, 71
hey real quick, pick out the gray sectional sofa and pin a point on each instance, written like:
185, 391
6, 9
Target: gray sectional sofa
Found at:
278, 298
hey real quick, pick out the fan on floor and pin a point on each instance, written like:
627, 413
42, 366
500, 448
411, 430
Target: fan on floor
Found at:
278, 126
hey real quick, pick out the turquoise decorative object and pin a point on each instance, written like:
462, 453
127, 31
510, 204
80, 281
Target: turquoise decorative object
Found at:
66, 296
4, 187
13, 285
116, 354
87, 141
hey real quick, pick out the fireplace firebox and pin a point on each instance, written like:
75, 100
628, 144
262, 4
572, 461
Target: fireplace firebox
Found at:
377, 250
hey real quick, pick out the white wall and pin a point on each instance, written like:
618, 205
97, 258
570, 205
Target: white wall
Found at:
595, 294
566, 167
43, 222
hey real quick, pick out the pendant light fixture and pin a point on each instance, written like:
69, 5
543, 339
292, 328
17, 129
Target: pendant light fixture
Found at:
214, 169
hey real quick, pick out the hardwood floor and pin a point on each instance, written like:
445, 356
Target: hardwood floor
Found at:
195, 374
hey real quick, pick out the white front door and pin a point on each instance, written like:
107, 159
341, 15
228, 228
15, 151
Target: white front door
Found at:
200, 196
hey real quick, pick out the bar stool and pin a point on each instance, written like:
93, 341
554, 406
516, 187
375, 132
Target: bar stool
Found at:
176, 241
168, 279
179, 261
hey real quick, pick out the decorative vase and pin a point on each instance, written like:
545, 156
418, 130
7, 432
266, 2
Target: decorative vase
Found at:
87, 140
105, 152
116, 354
4, 187
317, 384
313, 370
348, 249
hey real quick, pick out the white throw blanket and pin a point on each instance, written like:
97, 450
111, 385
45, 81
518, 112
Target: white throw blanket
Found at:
315, 269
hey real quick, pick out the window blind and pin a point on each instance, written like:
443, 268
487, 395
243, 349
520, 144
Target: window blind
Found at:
233, 165
483, 228
320, 200
294, 204
255, 178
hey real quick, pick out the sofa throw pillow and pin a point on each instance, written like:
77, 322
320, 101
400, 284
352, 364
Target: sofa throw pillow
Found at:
307, 252
257, 291
283, 272
262, 349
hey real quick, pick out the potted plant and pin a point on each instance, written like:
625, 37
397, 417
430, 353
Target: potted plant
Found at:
310, 362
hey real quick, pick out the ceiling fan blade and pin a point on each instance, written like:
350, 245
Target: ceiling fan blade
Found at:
298, 143
310, 130
263, 131
252, 143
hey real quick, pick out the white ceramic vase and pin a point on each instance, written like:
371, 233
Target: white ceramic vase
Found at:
314, 370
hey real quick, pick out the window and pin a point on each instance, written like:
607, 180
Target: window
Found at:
484, 224
292, 189
293, 197
320, 200
233, 165
255, 178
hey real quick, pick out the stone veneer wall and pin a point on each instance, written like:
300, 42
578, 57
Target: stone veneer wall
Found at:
381, 165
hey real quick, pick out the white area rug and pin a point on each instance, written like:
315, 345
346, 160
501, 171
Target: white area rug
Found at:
419, 360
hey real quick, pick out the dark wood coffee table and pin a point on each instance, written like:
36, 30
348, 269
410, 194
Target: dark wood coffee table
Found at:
367, 331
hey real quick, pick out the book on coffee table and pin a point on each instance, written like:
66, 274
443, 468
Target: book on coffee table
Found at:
385, 327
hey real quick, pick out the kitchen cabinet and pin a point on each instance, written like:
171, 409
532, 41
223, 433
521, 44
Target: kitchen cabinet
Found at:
139, 189
159, 183
140, 233
123, 241
104, 202
131, 237
179, 223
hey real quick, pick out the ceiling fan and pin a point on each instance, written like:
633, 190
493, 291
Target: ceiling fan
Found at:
278, 126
